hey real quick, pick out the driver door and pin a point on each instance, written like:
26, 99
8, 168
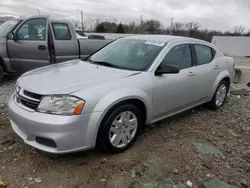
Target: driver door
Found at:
175, 92
30, 49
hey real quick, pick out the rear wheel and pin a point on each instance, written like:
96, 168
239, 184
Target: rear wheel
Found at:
120, 129
219, 95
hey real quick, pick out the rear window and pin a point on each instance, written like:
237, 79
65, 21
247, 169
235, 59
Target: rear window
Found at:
80, 33
61, 31
204, 54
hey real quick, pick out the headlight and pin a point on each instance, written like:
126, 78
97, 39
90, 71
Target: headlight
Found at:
61, 105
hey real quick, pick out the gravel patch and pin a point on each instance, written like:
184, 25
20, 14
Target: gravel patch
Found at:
6, 89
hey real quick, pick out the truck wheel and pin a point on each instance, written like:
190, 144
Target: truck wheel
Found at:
1, 73
120, 129
219, 95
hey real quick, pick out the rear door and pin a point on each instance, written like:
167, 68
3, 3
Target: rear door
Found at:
65, 42
207, 69
30, 50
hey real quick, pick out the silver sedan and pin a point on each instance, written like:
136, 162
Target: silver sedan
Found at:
106, 99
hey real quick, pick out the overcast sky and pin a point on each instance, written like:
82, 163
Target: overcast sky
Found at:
213, 14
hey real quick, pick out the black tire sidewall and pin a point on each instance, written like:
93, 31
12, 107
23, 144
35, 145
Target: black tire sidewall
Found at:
1, 73
213, 101
103, 141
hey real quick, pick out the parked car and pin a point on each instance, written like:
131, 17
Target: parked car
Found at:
40, 41
107, 99
99, 37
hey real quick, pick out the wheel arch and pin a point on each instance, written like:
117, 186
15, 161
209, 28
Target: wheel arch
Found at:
134, 101
138, 98
225, 75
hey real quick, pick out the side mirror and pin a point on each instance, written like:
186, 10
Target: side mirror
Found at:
12, 36
167, 69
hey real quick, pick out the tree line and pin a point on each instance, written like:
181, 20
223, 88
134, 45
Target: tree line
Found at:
191, 29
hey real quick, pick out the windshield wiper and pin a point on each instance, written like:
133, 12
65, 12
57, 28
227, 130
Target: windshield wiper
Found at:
104, 63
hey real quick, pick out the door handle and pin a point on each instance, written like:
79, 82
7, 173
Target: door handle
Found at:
42, 47
216, 67
191, 74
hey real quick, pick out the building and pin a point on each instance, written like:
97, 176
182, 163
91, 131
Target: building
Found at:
233, 45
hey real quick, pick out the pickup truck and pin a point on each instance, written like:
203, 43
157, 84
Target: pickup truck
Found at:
34, 42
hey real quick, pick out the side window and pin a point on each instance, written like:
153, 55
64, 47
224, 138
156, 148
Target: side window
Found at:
61, 31
180, 56
34, 29
204, 54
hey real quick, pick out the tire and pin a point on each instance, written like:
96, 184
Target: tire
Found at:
105, 134
214, 104
1, 73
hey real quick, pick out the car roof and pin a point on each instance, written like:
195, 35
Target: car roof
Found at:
164, 38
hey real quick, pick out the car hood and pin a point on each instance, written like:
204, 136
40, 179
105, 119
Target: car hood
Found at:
69, 77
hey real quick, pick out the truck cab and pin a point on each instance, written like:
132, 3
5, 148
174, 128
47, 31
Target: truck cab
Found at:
39, 41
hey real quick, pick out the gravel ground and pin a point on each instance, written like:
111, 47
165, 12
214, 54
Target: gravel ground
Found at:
6, 88
164, 153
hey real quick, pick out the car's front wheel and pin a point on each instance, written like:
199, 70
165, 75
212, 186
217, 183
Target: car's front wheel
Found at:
219, 95
119, 129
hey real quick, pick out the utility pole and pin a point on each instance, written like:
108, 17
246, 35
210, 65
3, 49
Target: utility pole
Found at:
141, 24
81, 19
38, 12
172, 25
141, 20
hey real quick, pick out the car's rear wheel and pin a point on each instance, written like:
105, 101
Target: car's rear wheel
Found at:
219, 95
119, 129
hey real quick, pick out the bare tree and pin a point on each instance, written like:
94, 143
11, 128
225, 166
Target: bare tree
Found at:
192, 26
238, 30
76, 24
178, 26
152, 26
132, 27
248, 33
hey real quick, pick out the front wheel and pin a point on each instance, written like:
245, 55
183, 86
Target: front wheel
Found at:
219, 95
120, 129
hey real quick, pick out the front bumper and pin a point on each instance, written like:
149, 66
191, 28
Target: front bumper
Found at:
68, 133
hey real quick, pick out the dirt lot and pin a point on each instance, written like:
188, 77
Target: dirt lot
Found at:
202, 146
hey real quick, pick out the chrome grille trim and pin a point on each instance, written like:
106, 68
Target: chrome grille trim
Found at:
24, 101
21, 94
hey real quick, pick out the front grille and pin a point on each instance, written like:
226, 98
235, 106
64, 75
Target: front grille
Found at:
28, 99
32, 95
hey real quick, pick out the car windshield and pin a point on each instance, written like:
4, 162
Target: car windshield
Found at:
131, 54
7, 27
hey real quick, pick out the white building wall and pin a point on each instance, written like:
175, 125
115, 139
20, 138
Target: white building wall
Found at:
233, 46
